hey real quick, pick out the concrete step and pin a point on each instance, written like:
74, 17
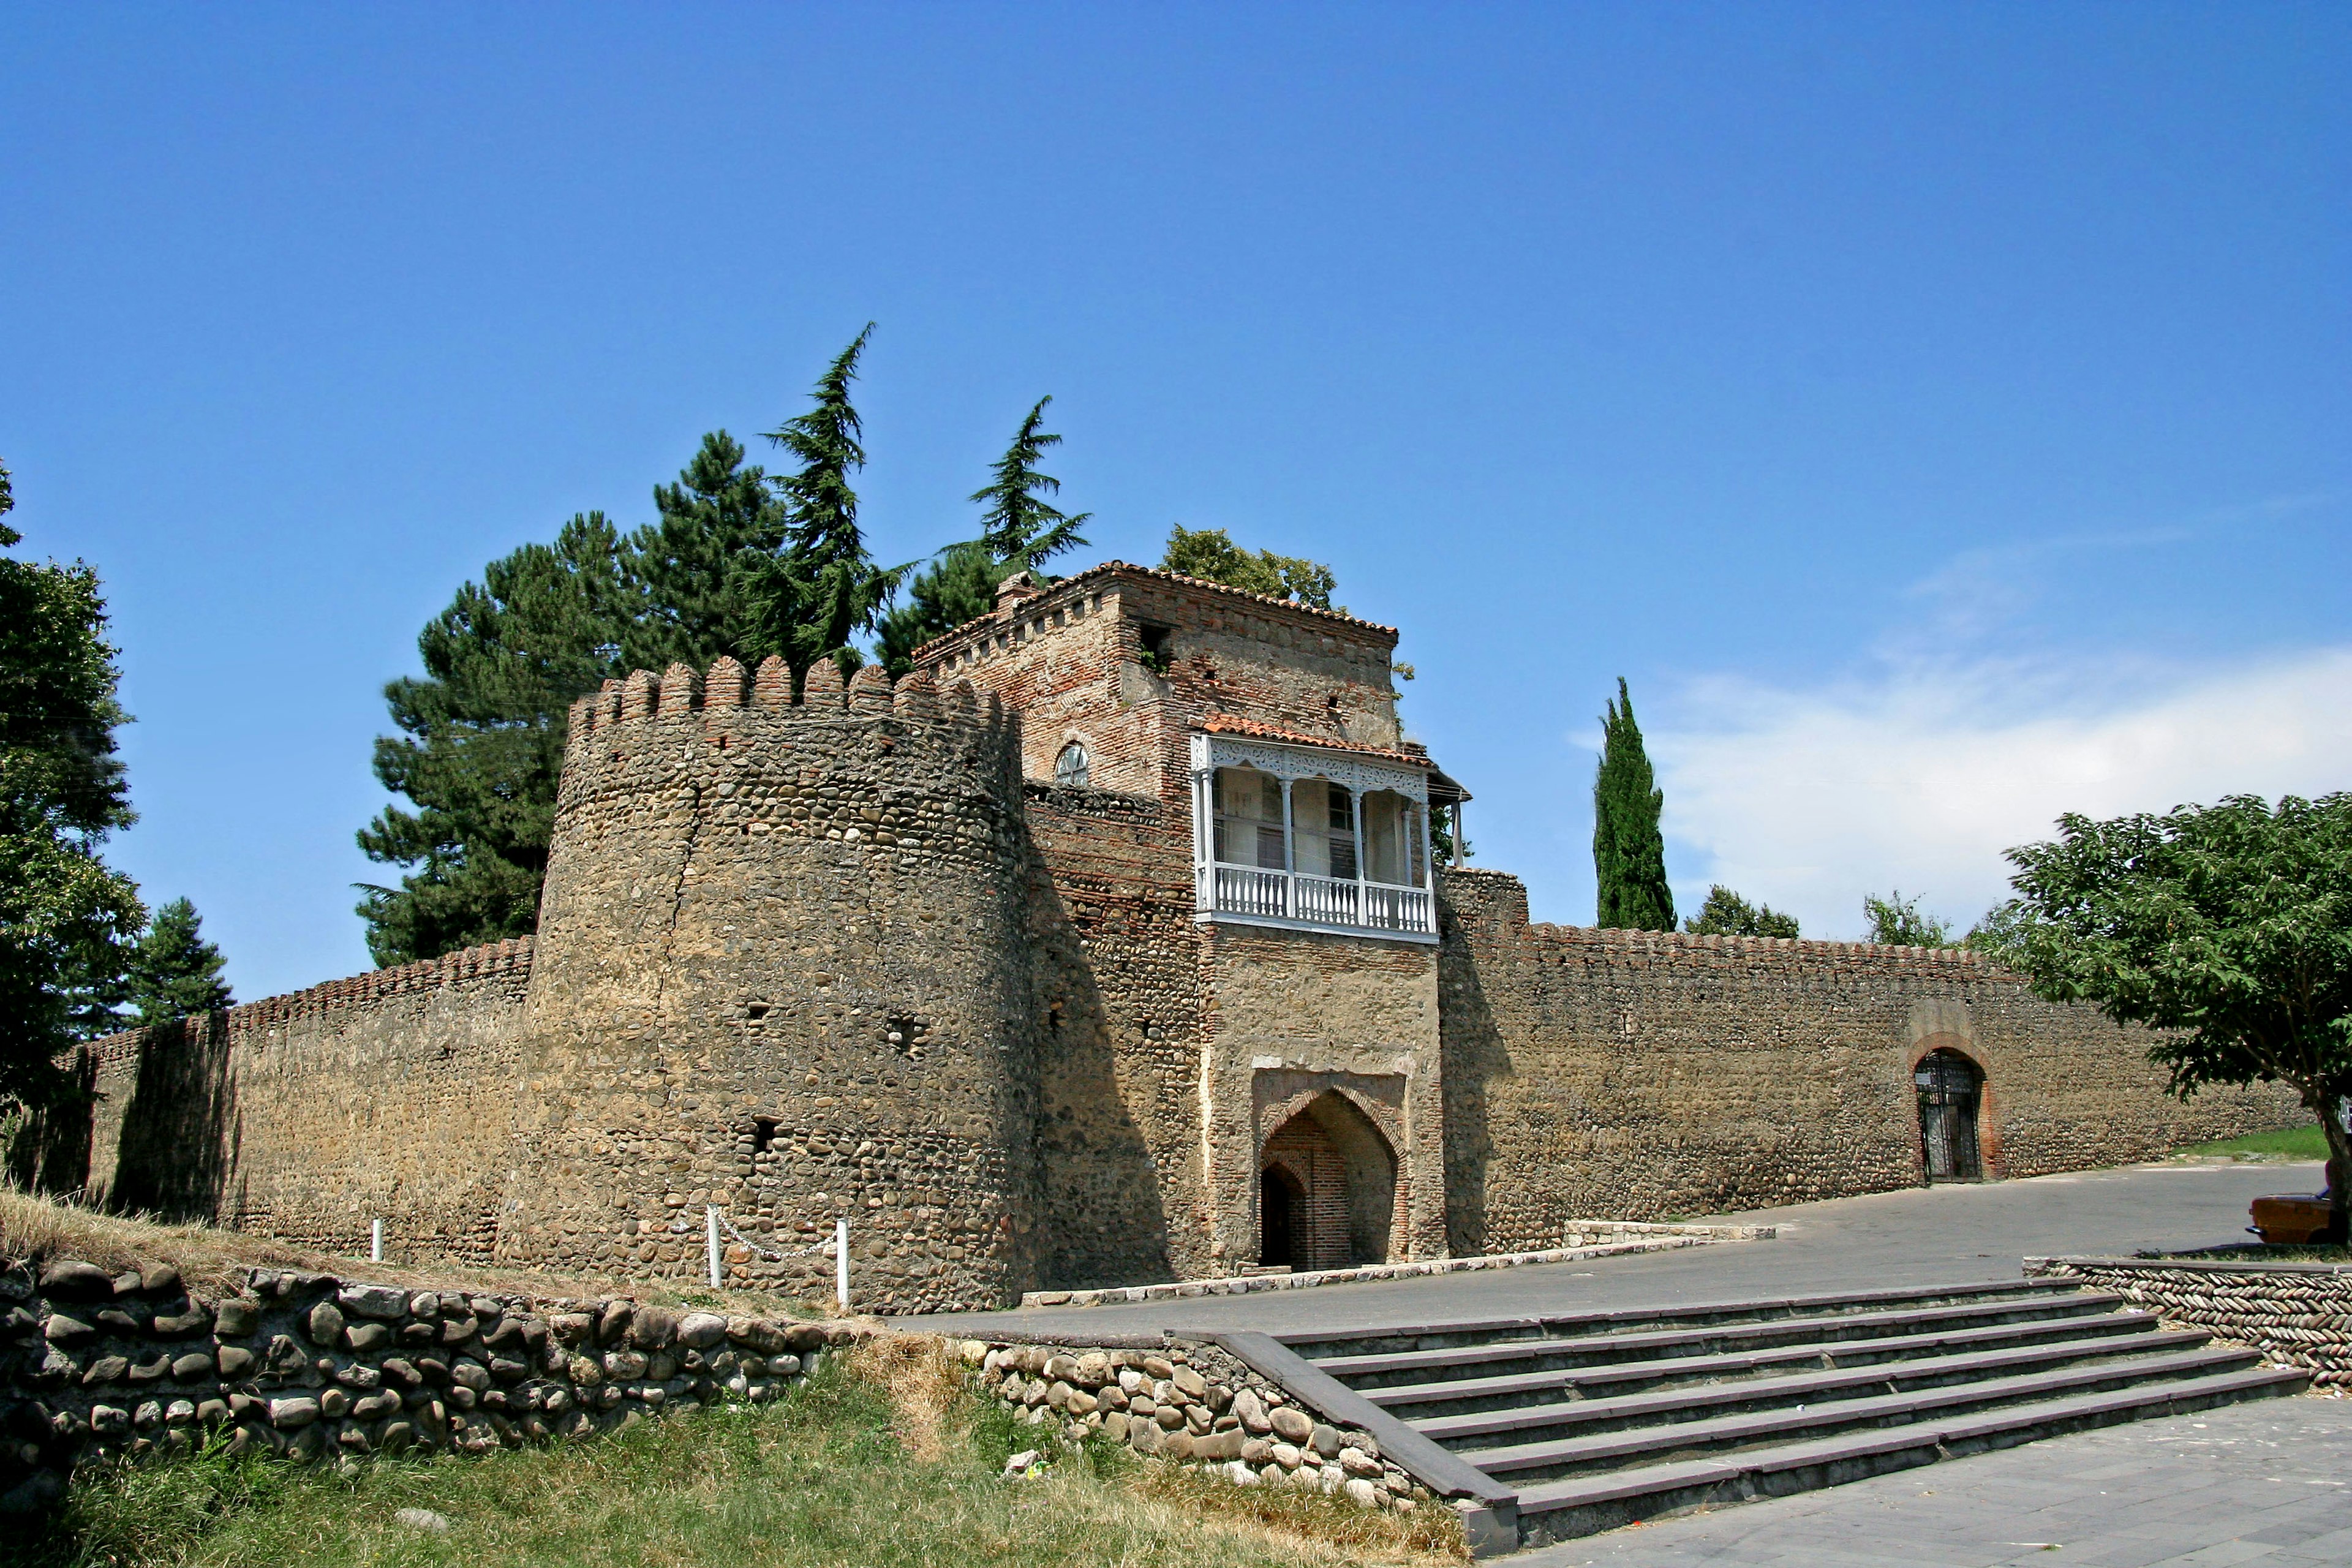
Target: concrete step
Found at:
1402, 1368
1578, 1417
1583, 1505
1323, 1345
1520, 1464
1419, 1401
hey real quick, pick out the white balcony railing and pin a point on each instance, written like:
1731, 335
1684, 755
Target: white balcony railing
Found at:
1250, 891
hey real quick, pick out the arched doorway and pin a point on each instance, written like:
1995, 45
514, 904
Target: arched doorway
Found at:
1326, 1189
1950, 1091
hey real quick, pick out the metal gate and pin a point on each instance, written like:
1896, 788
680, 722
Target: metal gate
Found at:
1949, 1087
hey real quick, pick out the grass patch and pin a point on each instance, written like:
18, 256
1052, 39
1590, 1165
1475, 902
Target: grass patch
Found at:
2294, 1143
886, 1458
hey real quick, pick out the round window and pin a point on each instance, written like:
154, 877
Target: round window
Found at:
1070, 767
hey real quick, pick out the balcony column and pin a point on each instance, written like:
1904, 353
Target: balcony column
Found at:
1289, 857
1363, 897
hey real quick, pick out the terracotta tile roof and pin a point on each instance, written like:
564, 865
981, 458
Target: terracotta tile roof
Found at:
1228, 724
1128, 569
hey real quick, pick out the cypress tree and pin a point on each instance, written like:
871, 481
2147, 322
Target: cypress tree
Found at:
1628, 850
174, 972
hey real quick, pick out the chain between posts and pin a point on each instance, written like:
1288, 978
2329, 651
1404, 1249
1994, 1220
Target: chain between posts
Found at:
839, 1245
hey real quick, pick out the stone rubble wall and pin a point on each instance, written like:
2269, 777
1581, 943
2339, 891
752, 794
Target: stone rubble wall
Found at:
317, 1368
1192, 1404
2297, 1314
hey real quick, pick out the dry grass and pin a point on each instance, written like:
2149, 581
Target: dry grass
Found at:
215, 1260
927, 1385
1430, 1533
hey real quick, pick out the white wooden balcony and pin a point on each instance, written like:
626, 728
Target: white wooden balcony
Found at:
1294, 897
1312, 839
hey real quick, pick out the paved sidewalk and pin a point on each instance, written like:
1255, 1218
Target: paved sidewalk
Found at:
2268, 1482
1920, 1235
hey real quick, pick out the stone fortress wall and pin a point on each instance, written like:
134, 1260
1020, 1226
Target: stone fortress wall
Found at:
1643, 1074
782, 967
856, 952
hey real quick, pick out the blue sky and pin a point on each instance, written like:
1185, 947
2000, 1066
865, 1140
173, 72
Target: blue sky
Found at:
1938, 412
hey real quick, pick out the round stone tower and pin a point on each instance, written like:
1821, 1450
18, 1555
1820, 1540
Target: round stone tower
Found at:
780, 970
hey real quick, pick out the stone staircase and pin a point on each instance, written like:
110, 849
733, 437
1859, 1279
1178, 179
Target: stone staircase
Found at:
1603, 1419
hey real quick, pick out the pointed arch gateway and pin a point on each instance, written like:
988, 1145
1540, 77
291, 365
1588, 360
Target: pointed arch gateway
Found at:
1326, 1189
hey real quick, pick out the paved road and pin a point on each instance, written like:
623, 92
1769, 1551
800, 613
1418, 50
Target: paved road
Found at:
1920, 1235
2267, 1483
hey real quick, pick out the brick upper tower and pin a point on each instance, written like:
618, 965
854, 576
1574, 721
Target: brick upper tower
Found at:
1244, 1027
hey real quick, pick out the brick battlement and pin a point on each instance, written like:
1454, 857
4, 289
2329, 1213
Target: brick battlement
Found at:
510, 958
681, 689
1495, 899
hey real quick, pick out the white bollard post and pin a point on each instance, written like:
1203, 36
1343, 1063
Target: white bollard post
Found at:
376, 1242
711, 1224
841, 1263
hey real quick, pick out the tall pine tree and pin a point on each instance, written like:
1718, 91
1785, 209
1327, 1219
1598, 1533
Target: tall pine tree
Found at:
1628, 851
483, 742
174, 972
689, 606
807, 601
1020, 530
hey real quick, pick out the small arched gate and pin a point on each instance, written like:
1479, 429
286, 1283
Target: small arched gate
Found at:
1950, 1091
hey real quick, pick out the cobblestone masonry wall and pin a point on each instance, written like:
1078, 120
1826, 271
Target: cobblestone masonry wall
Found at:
1639, 1075
1192, 1402
318, 1368
2300, 1314
389, 1096
783, 968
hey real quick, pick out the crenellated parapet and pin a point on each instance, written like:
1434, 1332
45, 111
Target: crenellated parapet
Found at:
728, 689
1496, 904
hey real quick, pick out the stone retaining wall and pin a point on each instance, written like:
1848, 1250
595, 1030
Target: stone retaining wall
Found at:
2299, 1313
1192, 1402
314, 1367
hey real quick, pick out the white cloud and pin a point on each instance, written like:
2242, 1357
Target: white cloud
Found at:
1920, 777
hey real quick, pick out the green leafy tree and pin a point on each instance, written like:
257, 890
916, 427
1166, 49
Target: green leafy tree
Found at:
1725, 913
482, 742
1901, 922
689, 606
174, 972
807, 601
1211, 555
66, 917
1629, 848
2228, 927
1020, 530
